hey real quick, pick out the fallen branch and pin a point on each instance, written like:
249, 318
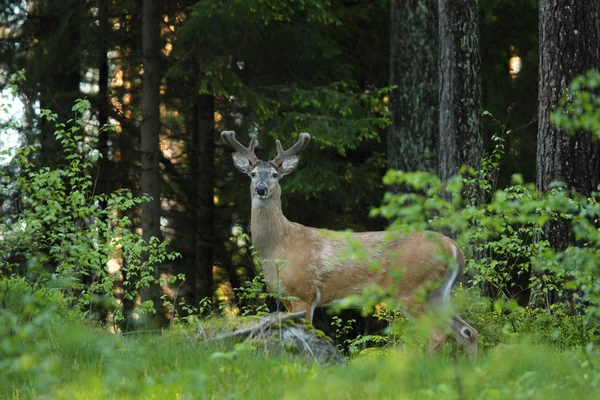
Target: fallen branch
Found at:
263, 325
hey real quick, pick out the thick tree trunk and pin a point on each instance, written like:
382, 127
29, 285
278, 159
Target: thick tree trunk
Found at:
150, 128
568, 47
205, 232
61, 79
460, 87
201, 127
412, 137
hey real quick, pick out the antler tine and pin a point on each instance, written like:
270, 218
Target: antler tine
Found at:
248, 152
295, 149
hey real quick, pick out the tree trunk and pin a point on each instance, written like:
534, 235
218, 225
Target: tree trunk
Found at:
103, 173
412, 137
205, 233
460, 137
60, 80
150, 128
568, 47
201, 129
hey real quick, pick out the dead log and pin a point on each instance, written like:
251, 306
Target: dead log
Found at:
290, 333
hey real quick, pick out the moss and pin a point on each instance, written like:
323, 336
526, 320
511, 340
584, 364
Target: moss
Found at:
321, 335
307, 326
290, 322
291, 348
317, 332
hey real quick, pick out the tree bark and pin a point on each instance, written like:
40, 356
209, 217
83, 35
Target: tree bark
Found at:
60, 80
205, 233
150, 125
201, 127
150, 128
412, 137
460, 137
103, 173
568, 47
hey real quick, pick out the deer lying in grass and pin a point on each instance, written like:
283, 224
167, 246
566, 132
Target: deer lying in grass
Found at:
316, 272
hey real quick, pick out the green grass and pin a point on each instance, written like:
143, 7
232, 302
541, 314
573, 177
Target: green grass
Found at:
72, 361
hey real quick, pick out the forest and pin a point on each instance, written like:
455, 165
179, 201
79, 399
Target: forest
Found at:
153, 246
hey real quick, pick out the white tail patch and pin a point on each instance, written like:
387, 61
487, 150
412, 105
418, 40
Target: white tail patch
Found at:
450, 283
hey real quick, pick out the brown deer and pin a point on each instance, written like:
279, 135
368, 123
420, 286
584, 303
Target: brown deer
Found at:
420, 268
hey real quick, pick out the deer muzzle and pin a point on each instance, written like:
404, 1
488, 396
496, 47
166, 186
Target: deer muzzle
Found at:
261, 189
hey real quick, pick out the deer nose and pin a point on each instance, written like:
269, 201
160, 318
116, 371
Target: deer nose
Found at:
261, 189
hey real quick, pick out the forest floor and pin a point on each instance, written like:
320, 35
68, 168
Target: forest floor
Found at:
74, 361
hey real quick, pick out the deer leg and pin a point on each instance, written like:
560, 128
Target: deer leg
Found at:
415, 310
298, 306
437, 338
301, 305
465, 334
439, 299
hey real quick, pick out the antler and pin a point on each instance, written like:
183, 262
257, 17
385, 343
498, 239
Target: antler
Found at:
295, 149
248, 152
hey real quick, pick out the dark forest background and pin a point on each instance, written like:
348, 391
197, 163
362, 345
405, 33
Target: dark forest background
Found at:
362, 77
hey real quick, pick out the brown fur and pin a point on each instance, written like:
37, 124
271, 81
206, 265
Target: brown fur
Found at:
313, 265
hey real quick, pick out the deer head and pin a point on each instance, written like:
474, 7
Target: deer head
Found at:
265, 175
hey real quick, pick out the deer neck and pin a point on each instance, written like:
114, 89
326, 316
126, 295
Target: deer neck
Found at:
268, 224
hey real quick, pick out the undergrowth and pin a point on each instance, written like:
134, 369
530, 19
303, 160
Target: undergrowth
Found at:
76, 361
536, 309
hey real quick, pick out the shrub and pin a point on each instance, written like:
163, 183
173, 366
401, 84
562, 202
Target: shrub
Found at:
62, 234
507, 254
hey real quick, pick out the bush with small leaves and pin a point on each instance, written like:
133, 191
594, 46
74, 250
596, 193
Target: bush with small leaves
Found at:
63, 235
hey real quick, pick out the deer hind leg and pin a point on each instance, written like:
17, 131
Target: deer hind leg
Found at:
465, 334
439, 299
437, 338
414, 310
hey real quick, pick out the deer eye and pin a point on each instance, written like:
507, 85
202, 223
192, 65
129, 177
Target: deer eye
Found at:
253, 174
274, 175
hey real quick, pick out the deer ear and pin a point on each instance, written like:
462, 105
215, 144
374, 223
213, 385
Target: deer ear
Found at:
241, 162
289, 165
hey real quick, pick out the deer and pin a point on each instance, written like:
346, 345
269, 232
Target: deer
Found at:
316, 272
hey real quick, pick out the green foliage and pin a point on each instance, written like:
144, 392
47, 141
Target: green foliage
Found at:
66, 235
250, 299
93, 364
25, 312
507, 254
341, 330
508, 372
291, 68
501, 322
579, 107
505, 235
252, 296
